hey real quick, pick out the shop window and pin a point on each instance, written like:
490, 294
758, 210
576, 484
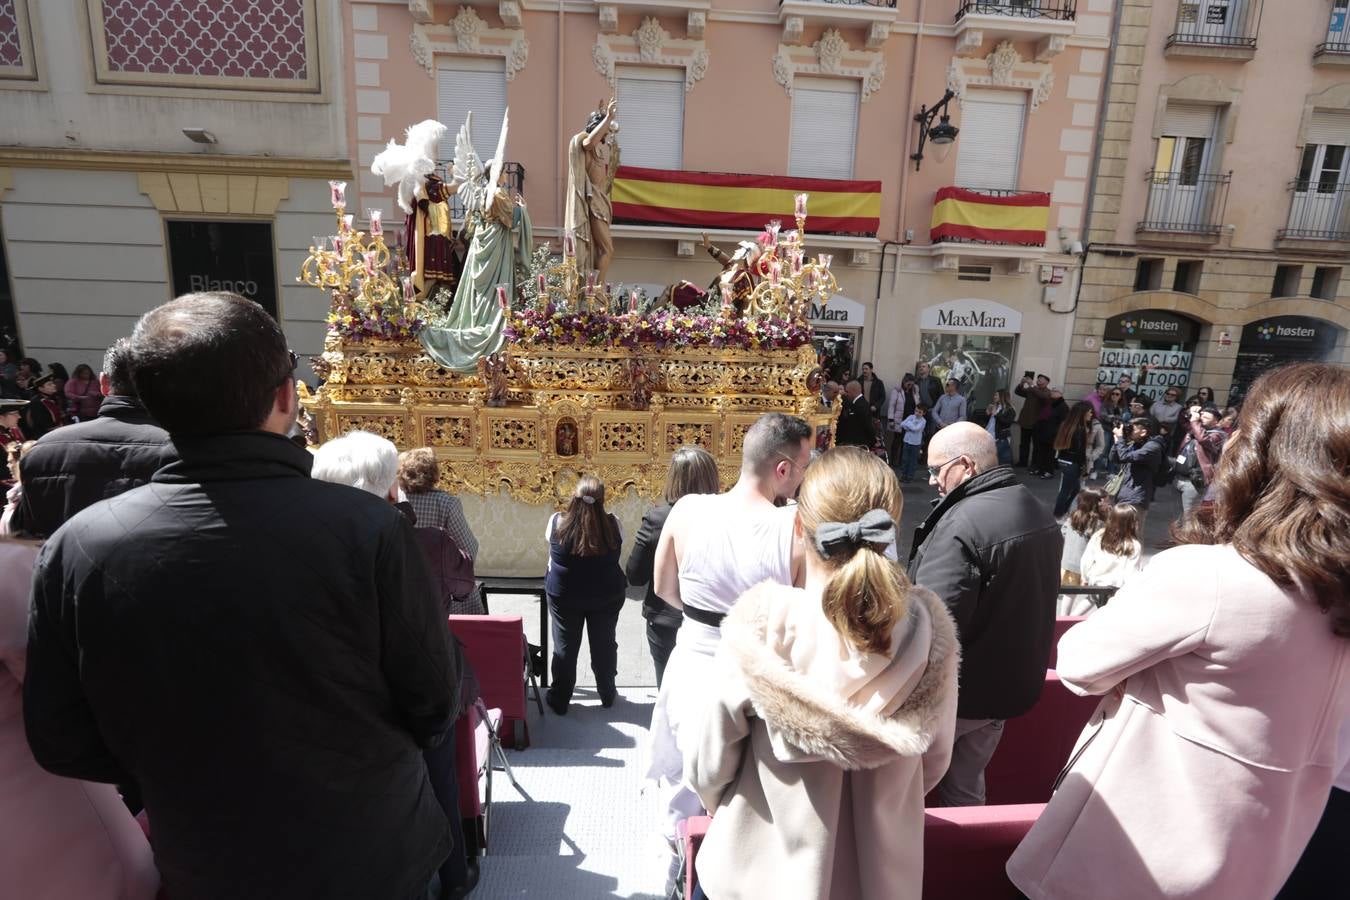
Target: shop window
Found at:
1286, 281
652, 100
1187, 277
1326, 282
1148, 274
224, 256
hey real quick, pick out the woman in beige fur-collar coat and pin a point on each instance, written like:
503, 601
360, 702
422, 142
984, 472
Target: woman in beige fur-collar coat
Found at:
835, 712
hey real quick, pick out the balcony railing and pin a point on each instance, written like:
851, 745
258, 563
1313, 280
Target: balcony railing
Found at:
1186, 203
1217, 23
1060, 10
515, 180
1318, 211
1338, 32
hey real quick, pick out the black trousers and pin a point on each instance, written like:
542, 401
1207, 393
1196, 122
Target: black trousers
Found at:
1042, 455
440, 762
600, 625
1321, 870
1024, 446
661, 641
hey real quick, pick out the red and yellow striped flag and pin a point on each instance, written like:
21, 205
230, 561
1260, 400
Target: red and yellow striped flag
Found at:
1019, 218
717, 200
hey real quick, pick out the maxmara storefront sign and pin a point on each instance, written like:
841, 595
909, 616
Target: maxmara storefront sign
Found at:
972, 316
840, 311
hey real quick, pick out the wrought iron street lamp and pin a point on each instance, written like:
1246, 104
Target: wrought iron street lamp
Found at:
942, 135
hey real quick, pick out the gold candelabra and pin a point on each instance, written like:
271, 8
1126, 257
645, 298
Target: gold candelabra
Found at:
352, 267
791, 281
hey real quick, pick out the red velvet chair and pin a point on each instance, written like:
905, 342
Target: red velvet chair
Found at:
691, 831
1062, 624
966, 848
495, 647
1035, 747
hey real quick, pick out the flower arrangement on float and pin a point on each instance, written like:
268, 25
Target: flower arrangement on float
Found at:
660, 329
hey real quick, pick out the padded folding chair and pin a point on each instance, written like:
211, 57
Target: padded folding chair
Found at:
490, 756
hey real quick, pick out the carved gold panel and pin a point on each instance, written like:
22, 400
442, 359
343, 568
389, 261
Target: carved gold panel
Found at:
621, 437
513, 434
448, 431
391, 427
700, 434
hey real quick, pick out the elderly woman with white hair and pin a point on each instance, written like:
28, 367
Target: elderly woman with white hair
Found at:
369, 462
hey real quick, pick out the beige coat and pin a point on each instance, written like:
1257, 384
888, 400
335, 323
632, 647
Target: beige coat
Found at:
815, 758
1207, 778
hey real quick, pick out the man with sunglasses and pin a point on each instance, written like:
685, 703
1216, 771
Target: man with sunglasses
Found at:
991, 551
265, 653
1168, 412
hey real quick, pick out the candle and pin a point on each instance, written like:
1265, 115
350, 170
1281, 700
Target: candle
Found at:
727, 296
337, 244
775, 272
825, 260
345, 224
590, 282
501, 296
376, 223
796, 257
801, 206
773, 234
569, 244
542, 284
407, 289
370, 263
632, 300
809, 280
338, 190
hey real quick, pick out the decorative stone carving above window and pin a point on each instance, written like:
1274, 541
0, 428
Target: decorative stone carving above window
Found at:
651, 45
1004, 67
831, 55
694, 11
468, 35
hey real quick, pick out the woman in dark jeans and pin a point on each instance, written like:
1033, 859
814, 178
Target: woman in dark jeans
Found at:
585, 588
1071, 454
692, 471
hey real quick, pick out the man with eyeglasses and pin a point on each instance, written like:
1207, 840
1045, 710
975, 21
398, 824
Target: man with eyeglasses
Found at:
265, 653
991, 551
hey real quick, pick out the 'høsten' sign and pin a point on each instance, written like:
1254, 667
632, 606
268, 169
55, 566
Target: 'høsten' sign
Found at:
974, 316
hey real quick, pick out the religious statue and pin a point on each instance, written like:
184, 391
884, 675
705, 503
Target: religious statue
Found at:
639, 380
499, 246
741, 271
565, 438
429, 238
592, 160
493, 369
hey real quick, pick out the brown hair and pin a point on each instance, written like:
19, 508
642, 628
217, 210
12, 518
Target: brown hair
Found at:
692, 471
1074, 424
1280, 491
1086, 517
585, 529
866, 593
418, 470
1120, 530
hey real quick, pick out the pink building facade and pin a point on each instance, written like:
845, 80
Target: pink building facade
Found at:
801, 88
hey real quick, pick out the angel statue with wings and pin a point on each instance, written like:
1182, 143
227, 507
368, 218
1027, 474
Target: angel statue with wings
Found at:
500, 241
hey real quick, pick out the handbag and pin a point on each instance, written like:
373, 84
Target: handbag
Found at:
1114, 484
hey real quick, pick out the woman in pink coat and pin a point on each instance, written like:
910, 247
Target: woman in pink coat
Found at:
1226, 665
59, 839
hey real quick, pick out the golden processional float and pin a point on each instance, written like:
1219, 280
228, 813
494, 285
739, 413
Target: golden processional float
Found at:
583, 382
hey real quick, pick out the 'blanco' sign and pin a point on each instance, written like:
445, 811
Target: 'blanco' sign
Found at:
973, 316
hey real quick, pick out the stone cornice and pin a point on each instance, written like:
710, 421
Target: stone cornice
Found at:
133, 161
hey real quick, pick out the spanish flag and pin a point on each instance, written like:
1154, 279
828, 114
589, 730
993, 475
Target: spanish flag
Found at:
747, 202
963, 214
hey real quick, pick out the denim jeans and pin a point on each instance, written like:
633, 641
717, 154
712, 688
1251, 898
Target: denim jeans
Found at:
1071, 475
1004, 447
909, 459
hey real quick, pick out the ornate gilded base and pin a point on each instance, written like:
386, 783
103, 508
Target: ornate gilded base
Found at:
568, 411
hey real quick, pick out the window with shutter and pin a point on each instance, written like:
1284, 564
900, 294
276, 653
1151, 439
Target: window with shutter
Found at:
824, 129
989, 145
474, 84
651, 116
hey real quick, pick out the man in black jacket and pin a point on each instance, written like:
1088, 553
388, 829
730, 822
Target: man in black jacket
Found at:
855, 419
991, 551
78, 465
264, 654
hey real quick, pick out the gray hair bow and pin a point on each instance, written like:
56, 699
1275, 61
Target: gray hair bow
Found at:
875, 527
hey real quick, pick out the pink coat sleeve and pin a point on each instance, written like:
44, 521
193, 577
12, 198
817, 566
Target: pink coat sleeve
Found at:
1163, 612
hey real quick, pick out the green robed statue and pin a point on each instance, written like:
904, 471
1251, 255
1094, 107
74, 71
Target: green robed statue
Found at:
499, 247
